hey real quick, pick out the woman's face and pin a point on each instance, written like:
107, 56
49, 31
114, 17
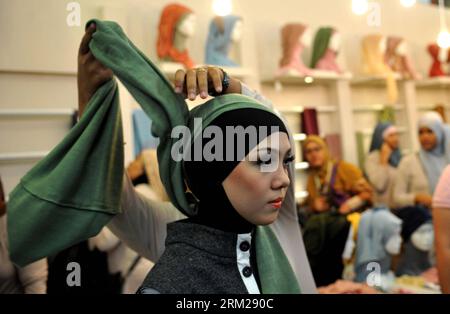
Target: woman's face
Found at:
392, 140
256, 194
427, 138
315, 155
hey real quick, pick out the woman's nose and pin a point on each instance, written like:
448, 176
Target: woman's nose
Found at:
281, 178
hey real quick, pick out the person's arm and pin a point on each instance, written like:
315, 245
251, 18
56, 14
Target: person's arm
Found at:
142, 225
377, 173
402, 197
33, 277
356, 184
441, 220
91, 73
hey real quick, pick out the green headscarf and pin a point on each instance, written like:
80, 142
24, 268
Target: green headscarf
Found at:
321, 42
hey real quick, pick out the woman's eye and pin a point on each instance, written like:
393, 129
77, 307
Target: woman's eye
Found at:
288, 160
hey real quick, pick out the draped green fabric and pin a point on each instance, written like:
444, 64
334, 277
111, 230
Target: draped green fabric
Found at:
75, 190
321, 42
277, 274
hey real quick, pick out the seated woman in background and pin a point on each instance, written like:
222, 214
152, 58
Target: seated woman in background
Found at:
382, 162
416, 179
335, 189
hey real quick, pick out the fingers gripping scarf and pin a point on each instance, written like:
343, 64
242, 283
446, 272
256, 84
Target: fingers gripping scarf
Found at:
74, 191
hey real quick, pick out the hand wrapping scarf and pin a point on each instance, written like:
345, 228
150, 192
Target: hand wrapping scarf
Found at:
73, 192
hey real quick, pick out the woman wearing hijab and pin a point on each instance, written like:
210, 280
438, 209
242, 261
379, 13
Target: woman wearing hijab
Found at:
382, 161
280, 257
416, 180
335, 190
216, 250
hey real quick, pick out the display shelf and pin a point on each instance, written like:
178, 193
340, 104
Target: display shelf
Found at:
301, 195
56, 112
373, 80
301, 165
299, 137
38, 72
375, 107
369, 131
20, 156
306, 80
300, 109
435, 82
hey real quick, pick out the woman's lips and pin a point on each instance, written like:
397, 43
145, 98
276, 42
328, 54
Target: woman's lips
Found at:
277, 203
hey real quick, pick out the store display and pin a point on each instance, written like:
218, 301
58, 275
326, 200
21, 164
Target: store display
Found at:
373, 51
224, 32
294, 39
439, 58
176, 26
327, 43
398, 59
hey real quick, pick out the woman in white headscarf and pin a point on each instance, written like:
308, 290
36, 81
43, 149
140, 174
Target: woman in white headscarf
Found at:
416, 180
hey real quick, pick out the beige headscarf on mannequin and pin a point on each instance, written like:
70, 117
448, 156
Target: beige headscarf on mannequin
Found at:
374, 64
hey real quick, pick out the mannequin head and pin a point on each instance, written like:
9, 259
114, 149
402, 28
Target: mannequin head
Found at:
186, 26
177, 23
402, 48
382, 44
236, 35
306, 38
292, 38
443, 55
335, 41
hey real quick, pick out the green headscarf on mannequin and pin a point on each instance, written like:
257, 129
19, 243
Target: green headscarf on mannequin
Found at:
321, 43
